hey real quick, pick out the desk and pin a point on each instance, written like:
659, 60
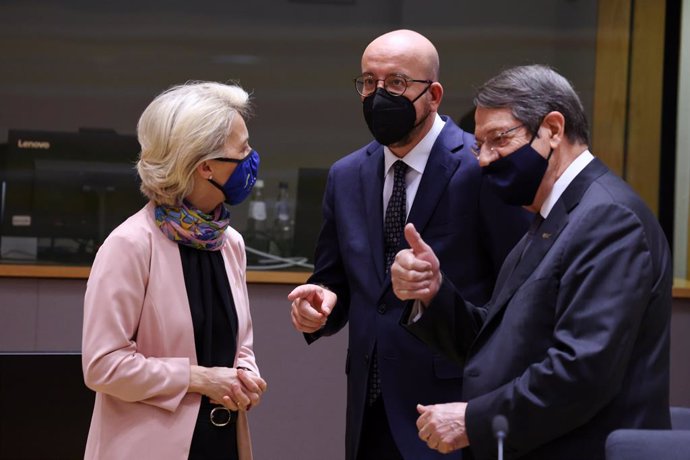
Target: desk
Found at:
681, 287
82, 272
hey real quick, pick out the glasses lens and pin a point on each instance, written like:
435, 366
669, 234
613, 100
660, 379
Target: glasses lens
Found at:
395, 84
365, 85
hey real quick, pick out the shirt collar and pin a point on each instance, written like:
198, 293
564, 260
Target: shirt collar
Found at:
562, 182
418, 156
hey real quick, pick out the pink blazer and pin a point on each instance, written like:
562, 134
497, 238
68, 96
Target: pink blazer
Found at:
138, 344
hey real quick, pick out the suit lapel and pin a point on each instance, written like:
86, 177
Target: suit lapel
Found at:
541, 242
440, 167
544, 238
371, 182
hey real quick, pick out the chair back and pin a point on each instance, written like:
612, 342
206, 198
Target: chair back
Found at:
680, 418
631, 444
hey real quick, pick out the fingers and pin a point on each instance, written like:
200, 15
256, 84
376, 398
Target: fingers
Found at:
235, 389
311, 305
239, 398
228, 402
305, 290
412, 278
427, 431
442, 426
251, 381
319, 297
409, 262
414, 239
415, 273
407, 270
328, 301
306, 314
422, 419
254, 386
245, 395
413, 293
426, 434
305, 318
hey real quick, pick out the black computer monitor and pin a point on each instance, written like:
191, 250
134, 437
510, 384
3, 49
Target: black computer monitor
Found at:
311, 185
63, 193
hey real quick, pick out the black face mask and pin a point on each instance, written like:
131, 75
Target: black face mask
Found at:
389, 118
516, 177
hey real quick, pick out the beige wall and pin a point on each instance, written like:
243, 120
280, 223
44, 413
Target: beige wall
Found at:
682, 203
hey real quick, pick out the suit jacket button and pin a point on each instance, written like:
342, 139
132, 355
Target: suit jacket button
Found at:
366, 358
381, 308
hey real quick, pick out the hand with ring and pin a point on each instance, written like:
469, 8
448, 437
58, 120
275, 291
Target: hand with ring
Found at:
236, 389
253, 387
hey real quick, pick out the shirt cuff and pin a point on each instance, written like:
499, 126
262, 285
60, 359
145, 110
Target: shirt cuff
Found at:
418, 309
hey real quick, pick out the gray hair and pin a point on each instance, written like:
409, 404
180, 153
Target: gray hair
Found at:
182, 127
531, 92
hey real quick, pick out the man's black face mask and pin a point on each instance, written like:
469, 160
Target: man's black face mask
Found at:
389, 118
516, 177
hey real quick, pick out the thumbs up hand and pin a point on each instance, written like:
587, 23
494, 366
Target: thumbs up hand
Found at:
416, 273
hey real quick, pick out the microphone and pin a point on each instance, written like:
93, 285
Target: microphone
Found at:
499, 425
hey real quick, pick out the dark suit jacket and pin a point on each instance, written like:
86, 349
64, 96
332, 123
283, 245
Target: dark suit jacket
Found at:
470, 230
575, 340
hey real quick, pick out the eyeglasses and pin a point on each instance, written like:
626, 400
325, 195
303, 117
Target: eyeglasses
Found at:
495, 142
395, 84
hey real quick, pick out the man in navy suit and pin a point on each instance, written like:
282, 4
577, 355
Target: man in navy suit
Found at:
574, 342
437, 184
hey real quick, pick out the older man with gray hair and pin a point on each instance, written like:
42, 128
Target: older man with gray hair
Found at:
419, 168
574, 342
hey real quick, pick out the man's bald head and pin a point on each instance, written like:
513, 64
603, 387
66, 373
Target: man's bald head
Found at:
411, 52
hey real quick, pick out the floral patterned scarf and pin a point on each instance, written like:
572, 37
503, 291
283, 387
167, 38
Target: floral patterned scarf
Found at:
192, 227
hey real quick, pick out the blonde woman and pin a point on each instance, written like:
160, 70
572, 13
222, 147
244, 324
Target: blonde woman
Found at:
167, 337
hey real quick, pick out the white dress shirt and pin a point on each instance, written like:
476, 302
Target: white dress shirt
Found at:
562, 182
416, 161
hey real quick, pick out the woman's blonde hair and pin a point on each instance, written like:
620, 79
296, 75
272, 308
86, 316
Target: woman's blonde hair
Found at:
182, 127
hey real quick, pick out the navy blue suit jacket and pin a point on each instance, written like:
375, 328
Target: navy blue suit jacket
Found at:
467, 226
575, 340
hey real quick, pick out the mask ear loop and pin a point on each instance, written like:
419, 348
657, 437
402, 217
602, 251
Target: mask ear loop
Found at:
534, 136
216, 184
422, 93
415, 100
